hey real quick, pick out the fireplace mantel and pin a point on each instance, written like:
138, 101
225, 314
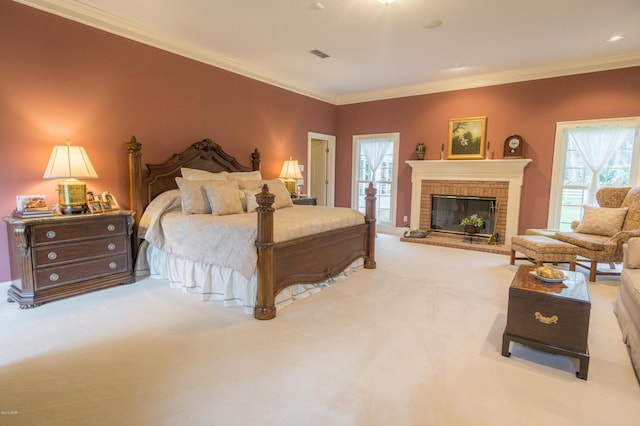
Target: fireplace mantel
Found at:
511, 171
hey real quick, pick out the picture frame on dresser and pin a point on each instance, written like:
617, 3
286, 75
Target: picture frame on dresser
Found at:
24, 202
94, 206
109, 202
467, 138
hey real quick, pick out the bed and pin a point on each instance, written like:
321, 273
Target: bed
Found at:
307, 259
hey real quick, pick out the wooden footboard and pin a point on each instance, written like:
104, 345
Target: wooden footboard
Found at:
309, 259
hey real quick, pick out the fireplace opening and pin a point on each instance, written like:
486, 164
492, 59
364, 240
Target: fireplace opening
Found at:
448, 210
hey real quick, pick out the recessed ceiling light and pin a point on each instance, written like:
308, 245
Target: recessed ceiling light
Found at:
434, 23
386, 2
459, 66
615, 38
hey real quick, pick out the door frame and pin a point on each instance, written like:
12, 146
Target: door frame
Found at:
331, 164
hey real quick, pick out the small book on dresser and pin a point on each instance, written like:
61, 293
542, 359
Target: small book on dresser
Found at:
32, 212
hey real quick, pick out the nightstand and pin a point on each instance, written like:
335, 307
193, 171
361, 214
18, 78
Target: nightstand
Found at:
307, 201
60, 256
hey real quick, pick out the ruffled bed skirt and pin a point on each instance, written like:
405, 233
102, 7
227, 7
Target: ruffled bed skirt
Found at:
220, 283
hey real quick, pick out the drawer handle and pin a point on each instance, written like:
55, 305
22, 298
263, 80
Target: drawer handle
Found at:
54, 277
52, 255
113, 265
111, 246
111, 227
546, 320
51, 234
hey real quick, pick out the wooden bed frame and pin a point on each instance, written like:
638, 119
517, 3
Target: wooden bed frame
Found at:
309, 259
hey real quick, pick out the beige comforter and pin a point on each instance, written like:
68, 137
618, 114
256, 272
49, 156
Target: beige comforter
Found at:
229, 240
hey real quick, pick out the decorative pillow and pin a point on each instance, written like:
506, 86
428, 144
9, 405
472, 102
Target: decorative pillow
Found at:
276, 187
194, 200
602, 220
223, 197
633, 253
255, 175
196, 174
252, 204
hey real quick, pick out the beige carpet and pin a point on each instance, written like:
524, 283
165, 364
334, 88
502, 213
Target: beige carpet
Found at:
415, 342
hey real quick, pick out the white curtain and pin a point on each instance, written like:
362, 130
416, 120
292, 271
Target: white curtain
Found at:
597, 145
374, 151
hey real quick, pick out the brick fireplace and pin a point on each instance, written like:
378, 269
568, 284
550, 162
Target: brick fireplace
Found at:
501, 179
489, 189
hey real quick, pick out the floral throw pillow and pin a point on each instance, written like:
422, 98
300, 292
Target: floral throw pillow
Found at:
602, 220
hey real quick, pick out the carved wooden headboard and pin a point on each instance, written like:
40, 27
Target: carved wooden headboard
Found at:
203, 155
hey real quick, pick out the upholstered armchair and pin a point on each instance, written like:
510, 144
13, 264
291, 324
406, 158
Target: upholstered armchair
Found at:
603, 230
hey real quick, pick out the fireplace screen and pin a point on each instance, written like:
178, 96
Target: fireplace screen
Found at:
448, 210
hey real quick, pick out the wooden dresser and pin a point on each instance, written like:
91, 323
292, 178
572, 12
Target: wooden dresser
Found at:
61, 256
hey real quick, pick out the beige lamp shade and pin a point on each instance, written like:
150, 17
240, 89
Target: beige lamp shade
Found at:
290, 173
68, 161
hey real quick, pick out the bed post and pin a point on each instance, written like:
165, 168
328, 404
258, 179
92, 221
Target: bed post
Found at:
135, 183
265, 307
370, 219
255, 160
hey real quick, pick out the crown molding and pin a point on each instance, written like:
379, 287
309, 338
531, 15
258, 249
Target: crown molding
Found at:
494, 79
96, 18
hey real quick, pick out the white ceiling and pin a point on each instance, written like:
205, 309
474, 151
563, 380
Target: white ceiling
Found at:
377, 51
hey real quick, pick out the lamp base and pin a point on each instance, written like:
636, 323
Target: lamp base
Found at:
72, 196
72, 209
291, 186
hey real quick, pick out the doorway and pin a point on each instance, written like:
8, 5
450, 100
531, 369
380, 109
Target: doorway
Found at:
321, 170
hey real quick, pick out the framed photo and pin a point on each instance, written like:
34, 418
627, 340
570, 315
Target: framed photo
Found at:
467, 138
108, 202
26, 202
94, 206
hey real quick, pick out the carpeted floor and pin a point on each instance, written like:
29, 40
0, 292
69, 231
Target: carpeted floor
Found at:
414, 342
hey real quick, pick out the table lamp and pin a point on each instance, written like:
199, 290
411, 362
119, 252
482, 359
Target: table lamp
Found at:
290, 173
70, 163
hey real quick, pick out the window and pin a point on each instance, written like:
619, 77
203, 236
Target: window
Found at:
589, 155
375, 160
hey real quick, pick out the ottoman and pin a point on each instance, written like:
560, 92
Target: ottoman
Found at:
543, 249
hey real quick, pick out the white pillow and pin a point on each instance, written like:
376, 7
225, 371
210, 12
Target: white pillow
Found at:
602, 220
250, 197
194, 200
223, 197
255, 175
196, 174
276, 187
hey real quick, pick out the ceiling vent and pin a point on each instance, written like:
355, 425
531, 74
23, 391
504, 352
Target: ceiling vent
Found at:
319, 53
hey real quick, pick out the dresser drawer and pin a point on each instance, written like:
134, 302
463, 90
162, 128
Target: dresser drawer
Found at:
53, 276
46, 255
557, 324
46, 233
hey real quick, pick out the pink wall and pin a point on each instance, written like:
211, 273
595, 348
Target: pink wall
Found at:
61, 79
530, 109
64, 80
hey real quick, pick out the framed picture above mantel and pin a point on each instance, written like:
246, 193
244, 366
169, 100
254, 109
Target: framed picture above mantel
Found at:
467, 138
